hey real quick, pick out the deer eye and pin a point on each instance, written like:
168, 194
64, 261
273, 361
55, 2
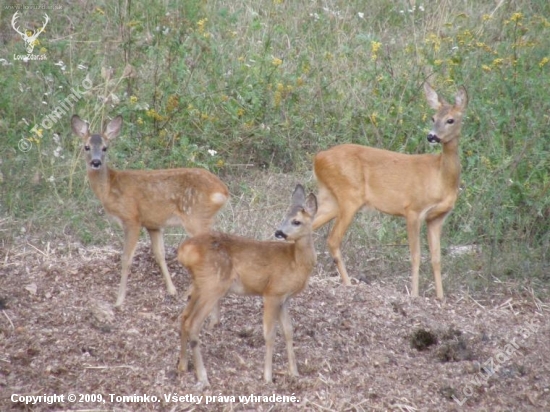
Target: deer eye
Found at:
433, 119
450, 121
87, 148
104, 148
296, 222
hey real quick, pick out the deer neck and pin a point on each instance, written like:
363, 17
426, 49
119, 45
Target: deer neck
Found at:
304, 252
450, 163
100, 181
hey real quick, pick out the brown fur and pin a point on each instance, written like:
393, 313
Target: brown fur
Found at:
417, 187
152, 199
220, 263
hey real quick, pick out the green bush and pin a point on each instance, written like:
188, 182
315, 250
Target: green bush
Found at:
226, 85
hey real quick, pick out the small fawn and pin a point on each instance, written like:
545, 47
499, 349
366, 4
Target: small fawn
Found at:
220, 263
417, 187
152, 199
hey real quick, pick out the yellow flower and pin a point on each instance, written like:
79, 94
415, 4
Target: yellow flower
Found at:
486, 17
375, 47
200, 25
374, 118
277, 97
434, 40
133, 99
240, 112
498, 62
543, 62
139, 120
153, 113
172, 103
99, 10
516, 17
276, 62
486, 68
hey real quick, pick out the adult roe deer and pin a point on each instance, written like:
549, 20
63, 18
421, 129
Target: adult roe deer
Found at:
152, 199
220, 263
418, 187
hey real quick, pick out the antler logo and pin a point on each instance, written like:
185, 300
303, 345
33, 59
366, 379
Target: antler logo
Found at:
29, 36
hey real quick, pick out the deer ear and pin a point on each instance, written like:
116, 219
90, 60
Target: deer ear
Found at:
298, 196
311, 205
461, 98
113, 128
80, 127
431, 95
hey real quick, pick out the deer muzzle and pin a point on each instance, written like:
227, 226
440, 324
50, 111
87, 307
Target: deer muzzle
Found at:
279, 234
95, 163
432, 138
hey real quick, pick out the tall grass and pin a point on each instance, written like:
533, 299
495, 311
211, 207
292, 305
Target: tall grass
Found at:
234, 86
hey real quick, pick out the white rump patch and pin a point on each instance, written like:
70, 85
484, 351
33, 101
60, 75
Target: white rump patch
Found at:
218, 198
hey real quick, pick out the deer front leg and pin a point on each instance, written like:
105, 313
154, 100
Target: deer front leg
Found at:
286, 324
131, 236
434, 242
272, 308
413, 231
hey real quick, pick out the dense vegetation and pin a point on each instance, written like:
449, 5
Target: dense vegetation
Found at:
264, 85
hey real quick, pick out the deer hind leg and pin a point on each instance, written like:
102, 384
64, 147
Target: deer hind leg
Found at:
328, 208
286, 325
131, 236
184, 333
272, 309
192, 322
413, 231
343, 220
157, 244
434, 242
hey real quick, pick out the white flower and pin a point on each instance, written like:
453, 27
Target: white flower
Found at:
212, 152
361, 15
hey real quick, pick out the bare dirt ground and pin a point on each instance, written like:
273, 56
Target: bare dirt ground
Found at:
360, 348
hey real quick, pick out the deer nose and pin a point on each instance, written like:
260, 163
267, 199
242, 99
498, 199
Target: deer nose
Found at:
95, 163
432, 138
279, 234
